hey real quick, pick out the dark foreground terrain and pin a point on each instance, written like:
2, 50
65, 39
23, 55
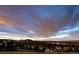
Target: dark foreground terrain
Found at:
38, 47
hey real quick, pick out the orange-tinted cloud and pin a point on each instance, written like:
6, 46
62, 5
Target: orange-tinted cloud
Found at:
7, 22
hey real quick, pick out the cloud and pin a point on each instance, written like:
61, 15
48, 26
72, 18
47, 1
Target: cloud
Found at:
7, 22
39, 20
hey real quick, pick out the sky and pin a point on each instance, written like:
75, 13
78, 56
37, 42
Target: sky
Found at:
54, 21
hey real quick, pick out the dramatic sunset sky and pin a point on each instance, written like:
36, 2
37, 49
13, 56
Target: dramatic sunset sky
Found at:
40, 21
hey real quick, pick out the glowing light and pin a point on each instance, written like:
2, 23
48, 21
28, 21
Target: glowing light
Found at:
31, 33
69, 30
60, 36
